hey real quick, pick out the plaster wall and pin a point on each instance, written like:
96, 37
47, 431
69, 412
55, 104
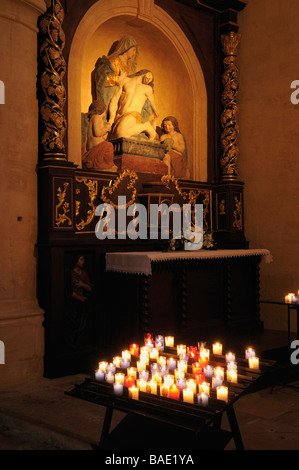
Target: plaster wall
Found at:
269, 164
20, 317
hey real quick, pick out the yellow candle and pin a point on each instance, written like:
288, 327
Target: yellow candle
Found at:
231, 376
204, 388
253, 362
141, 365
188, 395
162, 360
157, 378
144, 358
222, 393
205, 353
141, 384
151, 387
169, 341
134, 392
117, 361
119, 378
181, 349
217, 348
103, 366
178, 374
132, 372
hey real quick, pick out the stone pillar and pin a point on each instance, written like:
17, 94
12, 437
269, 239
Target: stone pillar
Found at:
230, 128
21, 318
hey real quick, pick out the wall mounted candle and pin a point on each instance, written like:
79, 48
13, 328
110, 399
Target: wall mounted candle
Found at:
169, 341
100, 375
188, 395
253, 362
118, 388
134, 392
174, 392
217, 349
222, 393
203, 399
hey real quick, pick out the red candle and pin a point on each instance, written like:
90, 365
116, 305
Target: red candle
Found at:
134, 349
196, 368
199, 378
174, 392
129, 381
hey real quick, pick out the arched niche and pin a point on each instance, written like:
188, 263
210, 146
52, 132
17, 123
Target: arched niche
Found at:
163, 48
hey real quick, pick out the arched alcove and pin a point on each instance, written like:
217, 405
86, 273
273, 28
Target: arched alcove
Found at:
164, 49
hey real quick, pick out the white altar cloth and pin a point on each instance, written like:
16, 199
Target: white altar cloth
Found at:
139, 262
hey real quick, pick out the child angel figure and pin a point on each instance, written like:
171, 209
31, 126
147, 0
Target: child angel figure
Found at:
176, 156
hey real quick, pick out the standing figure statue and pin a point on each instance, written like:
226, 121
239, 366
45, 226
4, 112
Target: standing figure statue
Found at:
132, 108
110, 70
176, 156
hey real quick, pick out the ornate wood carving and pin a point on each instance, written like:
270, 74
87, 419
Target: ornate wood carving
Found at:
52, 71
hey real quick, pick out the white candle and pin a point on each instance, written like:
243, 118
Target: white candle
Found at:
253, 362
154, 353
126, 355
205, 353
103, 365
141, 384
119, 378
118, 388
229, 357
99, 375
231, 376
178, 374
134, 392
249, 353
111, 368
217, 349
232, 365
204, 388
208, 371
109, 377
141, 365
217, 381
162, 360
219, 371
117, 361
181, 349
203, 399
188, 395
151, 387
168, 379
132, 372
191, 384
222, 393
169, 341
182, 366
171, 362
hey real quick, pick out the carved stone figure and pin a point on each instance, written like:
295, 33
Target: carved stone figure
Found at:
132, 108
176, 156
99, 153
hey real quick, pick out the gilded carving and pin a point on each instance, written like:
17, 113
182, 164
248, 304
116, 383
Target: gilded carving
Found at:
230, 81
92, 186
238, 216
63, 207
111, 189
52, 71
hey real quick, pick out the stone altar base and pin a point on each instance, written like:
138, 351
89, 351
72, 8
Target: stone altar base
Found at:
140, 164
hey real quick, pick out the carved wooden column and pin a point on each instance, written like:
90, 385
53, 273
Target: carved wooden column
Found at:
230, 81
52, 95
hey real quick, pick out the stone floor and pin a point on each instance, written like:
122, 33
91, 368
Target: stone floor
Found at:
40, 416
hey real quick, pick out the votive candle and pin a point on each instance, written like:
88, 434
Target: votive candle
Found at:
253, 362
171, 362
208, 371
191, 384
217, 381
141, 384
229, 357
118, 388
249, 353
132, 371
168, 379
203, 399
217, 349
129, 381
119, 378
169, 341
164, 390
188, 395
103, 365
134, 392
134, 349
231, 376
151, 387
174, 392
109, 377
99, 375
222, 393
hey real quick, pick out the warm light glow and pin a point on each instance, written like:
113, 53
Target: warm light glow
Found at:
222, 393
253, 362
217, 349
134, 393
169, 341
188, 395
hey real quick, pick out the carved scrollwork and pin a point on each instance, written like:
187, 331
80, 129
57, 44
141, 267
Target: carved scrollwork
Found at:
108, 191
238, 216
92, 186
63, 207
52, 71
230, 81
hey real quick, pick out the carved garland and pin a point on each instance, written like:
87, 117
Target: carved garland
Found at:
230, 78
52, 71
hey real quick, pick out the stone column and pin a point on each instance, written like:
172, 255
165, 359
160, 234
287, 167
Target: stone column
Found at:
21, 318
230, 128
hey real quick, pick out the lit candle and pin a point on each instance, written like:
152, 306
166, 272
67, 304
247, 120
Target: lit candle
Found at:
205, 354
208, 371
169, 341
151, 387
174, 392
129, 381
188, 395
134, 349
231, 376
168, 379
125, 363
232, 365
164, 371
103, 365
118, 388
144, 351
144, 374
126, 355
144, 358
178, 374
181, 348
222, 393
119, 378
253, 362
229, 357
181, 383
109, 377
117, 361
171, 362
164, 391
141, 365
157, 378
288, 298
204, 388
155, 367
132, 371
134, 392
217, 349
196, 368
141, 384
111, 368
159, 345
182, 366
162, 360
217, 381
249, 353
203, 399
200, 377
99, 375
154, 353
219, 371
191, 384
